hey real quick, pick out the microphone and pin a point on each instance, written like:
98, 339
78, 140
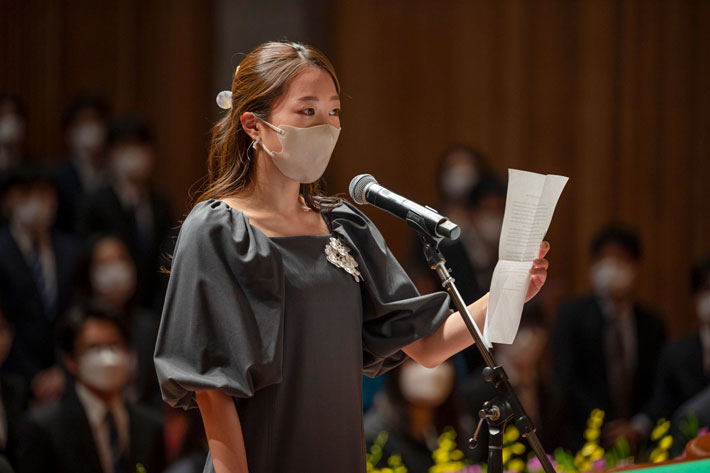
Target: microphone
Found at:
364, 189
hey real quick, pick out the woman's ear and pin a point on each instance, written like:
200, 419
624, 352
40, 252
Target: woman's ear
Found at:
250, 124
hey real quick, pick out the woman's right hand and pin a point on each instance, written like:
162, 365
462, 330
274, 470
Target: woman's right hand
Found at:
223, 431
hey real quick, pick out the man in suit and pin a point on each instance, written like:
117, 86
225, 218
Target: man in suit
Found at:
84, 124
13, 396
684, 365
36, 277
92, 428
129, 207
606, 345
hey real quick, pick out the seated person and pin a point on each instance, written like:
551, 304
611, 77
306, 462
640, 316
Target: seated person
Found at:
605, 346
415, 407
36, 277
92, 428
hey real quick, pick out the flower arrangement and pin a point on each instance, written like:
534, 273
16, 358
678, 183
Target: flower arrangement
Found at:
516, 458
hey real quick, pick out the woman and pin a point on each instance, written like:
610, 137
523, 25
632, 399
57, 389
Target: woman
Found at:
279, 298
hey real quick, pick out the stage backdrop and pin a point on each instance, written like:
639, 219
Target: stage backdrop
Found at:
615, 95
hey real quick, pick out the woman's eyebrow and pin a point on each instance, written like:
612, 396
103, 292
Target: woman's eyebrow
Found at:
313, 98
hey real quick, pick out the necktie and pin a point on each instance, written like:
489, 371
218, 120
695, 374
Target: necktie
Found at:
48, 297
619, 370
118, 457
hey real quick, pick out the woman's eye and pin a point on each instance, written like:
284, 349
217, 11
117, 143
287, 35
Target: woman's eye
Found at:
335, 112
308, 111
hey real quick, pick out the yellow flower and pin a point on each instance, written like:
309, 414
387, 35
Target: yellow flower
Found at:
597, 454
516, 464
440, 456
517, 448
447, 444
511, 434
658, 455
506, 455
591, 434
588, 449
665, 442
660, 430
400, 469
456, 455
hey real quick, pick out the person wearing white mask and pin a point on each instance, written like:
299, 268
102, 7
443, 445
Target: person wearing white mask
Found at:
129, 206
280, 297
606, 345
417, 404
36, 277
684, 365
107, 273
84, 124
92, 428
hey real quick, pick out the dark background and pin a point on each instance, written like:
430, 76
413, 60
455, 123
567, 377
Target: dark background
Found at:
613, 94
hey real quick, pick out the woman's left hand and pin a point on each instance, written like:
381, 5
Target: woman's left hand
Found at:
538, 272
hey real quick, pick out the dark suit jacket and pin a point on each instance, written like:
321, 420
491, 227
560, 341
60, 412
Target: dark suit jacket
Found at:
581, 368
33, 345
680, 376
14, 400
58, 438
70, 195
103, 213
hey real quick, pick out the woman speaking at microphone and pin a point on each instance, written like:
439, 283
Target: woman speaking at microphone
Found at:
280, 297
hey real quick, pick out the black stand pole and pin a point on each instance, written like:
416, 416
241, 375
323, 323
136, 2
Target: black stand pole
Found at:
504, 407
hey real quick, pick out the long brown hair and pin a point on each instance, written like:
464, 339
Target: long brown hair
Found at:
258, 82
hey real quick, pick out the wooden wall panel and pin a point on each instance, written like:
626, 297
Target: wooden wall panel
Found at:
153, 57
612, 94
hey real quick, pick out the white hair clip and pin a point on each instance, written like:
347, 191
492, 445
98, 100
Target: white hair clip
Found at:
224, 99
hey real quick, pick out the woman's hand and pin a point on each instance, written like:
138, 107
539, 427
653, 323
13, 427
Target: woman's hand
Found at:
538, 272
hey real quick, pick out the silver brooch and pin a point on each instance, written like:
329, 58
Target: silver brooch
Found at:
339, 255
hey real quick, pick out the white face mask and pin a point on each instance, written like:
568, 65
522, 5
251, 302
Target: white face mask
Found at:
457, 181
611, 277
12, 129
35, 214
426, 386
305, 152
702, 306
105, 369
88, 137
489, 226
132, 164
118, 277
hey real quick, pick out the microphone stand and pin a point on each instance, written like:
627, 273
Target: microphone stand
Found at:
506, 405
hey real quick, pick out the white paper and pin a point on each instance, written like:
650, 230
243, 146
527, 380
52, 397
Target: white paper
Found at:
529, 207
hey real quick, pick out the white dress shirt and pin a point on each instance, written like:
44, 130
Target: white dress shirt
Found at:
96, 411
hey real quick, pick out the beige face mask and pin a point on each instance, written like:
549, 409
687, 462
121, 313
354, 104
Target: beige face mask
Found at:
305, 152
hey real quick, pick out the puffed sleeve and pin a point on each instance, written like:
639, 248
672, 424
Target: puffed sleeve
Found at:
395, 314
222, 322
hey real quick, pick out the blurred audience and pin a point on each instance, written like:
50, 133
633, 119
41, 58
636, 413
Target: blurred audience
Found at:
524, 362
12, 131
129, 207
415, 407
684, 365
13, 395
107, 273
606, 345
92, 428
84, 124
461, 168
36, 277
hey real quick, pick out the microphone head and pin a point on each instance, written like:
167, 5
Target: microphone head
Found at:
358, 186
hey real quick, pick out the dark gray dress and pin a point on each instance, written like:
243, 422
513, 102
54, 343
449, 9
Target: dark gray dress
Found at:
272, 323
